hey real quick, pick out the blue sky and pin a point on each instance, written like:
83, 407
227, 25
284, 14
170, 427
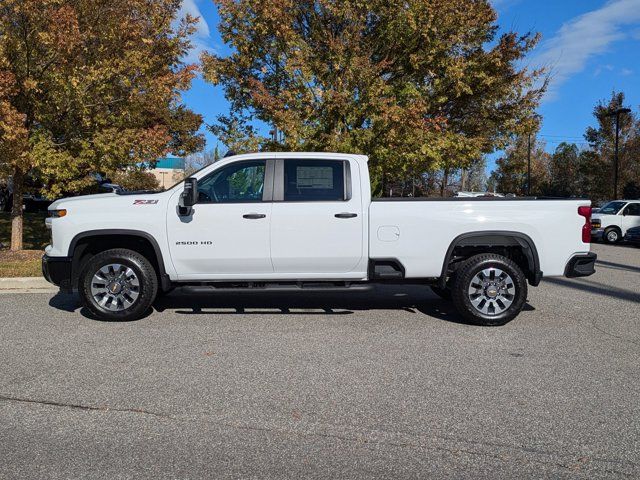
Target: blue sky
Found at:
592, 48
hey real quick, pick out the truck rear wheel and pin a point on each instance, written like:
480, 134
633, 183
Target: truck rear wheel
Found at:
489, 290
118, 285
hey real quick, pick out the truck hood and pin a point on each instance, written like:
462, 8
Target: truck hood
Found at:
80, 200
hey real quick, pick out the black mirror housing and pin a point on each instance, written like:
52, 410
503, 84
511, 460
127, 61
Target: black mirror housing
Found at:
189, 196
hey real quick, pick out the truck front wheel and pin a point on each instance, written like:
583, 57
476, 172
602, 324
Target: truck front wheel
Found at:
612, 235
489, 290
118, 285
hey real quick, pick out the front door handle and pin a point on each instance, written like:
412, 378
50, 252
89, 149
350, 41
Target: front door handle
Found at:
253, 216
346, 215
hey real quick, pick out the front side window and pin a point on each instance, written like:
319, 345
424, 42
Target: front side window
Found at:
314, 180
235, 183
633, 209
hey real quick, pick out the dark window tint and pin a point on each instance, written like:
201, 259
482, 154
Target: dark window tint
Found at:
313, 180
240, 182
633, 209
612, 208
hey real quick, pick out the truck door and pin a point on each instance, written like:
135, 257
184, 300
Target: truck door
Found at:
631, 216
227, 233
317, 218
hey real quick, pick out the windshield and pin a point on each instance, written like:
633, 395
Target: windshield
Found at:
612, 208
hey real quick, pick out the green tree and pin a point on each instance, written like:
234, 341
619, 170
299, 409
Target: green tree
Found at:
564, 171
419, 85
598, 167
510, 175
90, 86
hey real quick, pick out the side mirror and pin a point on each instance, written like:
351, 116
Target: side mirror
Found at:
189, 196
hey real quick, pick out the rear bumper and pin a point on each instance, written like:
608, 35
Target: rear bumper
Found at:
57, 270
581, 265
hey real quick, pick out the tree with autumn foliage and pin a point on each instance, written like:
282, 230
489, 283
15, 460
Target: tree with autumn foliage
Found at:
90, 86
510, 175
419, 85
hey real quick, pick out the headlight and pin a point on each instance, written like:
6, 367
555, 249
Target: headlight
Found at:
57, 213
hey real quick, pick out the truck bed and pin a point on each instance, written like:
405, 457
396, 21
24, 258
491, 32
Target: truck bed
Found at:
419, 231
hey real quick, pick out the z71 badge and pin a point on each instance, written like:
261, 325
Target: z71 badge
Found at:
145, 202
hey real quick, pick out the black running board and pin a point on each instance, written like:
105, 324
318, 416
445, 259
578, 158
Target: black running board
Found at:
329, 287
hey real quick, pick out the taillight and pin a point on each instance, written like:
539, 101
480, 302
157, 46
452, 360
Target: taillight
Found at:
586, 228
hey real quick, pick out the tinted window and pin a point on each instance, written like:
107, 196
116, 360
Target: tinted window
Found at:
313, 180
612, 208
633, 209
241, 182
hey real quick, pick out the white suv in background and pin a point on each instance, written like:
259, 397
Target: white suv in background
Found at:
614, 219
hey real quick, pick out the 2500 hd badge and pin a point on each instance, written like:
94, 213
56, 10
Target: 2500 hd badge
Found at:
203, 242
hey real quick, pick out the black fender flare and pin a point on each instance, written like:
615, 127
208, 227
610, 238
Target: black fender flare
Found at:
165, 281
496, 238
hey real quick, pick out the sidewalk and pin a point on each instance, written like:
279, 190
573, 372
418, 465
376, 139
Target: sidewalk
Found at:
26, 285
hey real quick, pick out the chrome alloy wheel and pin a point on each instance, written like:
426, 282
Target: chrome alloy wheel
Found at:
115, 287
612, 236
491, 291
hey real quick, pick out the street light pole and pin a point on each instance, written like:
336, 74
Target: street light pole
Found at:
616, 114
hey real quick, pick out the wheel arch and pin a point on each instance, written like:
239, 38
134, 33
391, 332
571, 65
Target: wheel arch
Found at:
488, 241
86, 244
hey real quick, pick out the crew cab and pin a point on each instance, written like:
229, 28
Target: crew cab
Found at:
306, 221
614, 219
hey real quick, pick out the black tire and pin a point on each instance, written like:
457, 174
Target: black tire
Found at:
466, 275
145, 290
612, 235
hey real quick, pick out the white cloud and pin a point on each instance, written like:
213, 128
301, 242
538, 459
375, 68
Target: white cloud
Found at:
608, 67
200, 41
626, 71
584, 37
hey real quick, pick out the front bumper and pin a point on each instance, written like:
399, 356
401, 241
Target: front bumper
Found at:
581, 265
57, 270
597, 233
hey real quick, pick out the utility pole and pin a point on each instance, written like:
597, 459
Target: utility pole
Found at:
529, 165
616, 113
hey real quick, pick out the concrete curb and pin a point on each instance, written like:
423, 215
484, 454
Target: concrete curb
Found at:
26, 285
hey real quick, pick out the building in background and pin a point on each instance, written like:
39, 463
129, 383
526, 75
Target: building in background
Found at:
168, 171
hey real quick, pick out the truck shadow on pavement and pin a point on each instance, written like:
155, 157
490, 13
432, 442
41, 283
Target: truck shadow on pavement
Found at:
589, 286
411, 299
617, 266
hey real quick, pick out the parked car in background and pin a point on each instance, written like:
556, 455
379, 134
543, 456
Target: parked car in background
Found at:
614, 219
477, 194
633, 236
32, 202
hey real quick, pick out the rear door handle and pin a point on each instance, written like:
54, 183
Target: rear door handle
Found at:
346, 215
253, 216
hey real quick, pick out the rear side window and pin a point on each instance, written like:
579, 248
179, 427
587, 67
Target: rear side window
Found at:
314, 180
633, 209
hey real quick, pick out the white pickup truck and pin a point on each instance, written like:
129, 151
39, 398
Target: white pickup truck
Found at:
306, 221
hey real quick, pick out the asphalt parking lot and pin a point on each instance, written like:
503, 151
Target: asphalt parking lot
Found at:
384, 385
